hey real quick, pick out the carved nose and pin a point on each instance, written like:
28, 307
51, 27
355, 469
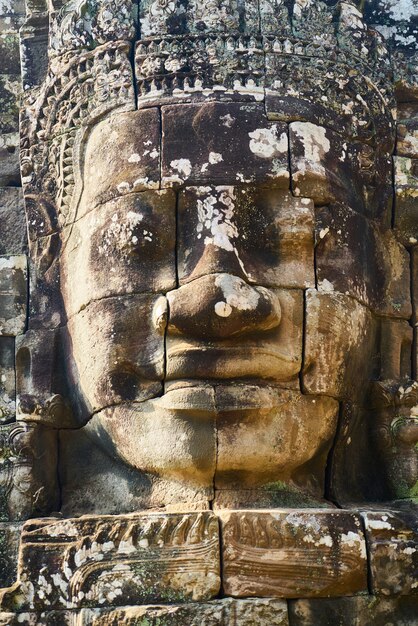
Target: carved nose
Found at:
219, 306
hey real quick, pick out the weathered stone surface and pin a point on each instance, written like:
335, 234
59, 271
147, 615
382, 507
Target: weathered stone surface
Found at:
131, 367
122, 156
223, 144
117, 560
28, 479
377, 274
322, 165
395, 349
94, 480
358, 611
294, 431
293, 553
338, 330
9, 156
9, 544
13, 225
407, 130
13, 294
127, 246
226, 612
7, 380
41, 389
393, 553
263, 236
268, 322
406, 190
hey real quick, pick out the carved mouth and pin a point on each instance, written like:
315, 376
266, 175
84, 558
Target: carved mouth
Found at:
209, 397
205, 363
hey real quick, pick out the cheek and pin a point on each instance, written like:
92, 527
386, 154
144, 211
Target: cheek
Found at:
117, 350
339, 343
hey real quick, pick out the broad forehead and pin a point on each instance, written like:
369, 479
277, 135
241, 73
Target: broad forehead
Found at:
181, 145
226, 143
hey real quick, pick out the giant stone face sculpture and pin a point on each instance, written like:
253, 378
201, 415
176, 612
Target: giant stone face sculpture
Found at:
216, 413
213, 249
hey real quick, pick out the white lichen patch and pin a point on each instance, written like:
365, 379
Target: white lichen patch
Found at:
227, 120
134, 158
378, 524
314, 140
215, 157
266, 143
216, 217
353, 540
182, 166
123, 233
237, 293
325, 285
66, 528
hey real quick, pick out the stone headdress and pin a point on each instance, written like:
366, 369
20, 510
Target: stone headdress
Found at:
306, 60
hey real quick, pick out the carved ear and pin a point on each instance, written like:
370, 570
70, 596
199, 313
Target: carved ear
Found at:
41, 216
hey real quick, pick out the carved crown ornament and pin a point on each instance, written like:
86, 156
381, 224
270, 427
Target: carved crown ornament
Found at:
188, 51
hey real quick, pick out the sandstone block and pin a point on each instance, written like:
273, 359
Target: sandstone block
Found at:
42, 393
7, 380
263, 235
276, 352
406, 190
323, 165
122, 156
223, 144
290, 430
95, 481
27, 486
358, 611
9, 143
131, 345
13, 294
118, 560
396, 349
226, 612
125, 246
13, 225
339, 331
393, 553
377, 274
293, 553
9, 544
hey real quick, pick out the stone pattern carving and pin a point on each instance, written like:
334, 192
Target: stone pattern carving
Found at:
202, 181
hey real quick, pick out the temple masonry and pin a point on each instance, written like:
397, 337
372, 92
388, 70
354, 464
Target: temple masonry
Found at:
208, 313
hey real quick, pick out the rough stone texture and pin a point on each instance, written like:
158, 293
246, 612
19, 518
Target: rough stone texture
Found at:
377, 274
264, 236
228, 612
7, 380
117, 560
392, 545
28, 471
9, 544
221, 263
13, 224
339, 330
358, 611
293, 553
218, 143
406, 189
13, 294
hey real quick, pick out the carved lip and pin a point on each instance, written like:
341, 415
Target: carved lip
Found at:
231, 363
210, 397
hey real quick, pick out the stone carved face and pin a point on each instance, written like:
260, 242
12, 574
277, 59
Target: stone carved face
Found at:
211, 342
